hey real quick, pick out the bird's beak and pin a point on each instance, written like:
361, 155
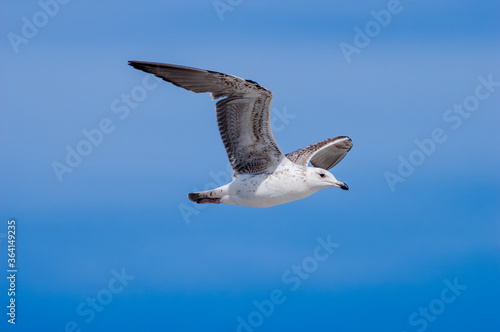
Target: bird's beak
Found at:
341, 185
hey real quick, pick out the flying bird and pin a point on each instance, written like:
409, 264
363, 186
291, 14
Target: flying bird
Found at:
262, 175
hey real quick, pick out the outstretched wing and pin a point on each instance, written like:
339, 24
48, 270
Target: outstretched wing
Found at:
324, 154
242, 116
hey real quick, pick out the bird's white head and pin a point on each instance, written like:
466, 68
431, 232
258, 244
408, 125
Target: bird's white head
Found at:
321, 178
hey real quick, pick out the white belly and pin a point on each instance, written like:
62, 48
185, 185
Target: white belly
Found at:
267, 190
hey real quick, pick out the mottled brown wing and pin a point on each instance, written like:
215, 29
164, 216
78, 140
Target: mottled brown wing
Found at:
324, 154
243, 115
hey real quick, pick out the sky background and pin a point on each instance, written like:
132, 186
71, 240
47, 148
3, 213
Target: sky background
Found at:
123, 209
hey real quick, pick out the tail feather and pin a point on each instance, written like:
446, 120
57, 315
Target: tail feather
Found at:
205, 197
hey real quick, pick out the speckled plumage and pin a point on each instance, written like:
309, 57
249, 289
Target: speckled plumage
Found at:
263, 175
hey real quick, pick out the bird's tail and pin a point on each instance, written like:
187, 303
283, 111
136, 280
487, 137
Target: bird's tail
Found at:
205, 197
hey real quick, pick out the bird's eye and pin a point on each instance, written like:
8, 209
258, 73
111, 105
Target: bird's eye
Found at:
322, 175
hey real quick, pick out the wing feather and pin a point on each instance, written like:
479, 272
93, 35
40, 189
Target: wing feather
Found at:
324, 154
243, 115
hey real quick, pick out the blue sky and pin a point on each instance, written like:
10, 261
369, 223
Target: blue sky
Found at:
418, 252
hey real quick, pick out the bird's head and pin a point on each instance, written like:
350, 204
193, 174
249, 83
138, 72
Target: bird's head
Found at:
321, 178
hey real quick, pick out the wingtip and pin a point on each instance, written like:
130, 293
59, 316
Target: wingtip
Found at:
347, 140
133, 63
141, 65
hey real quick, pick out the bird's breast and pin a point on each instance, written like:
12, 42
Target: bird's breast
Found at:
269, 189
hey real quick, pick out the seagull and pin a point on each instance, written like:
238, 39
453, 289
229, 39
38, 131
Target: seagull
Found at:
262, 175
